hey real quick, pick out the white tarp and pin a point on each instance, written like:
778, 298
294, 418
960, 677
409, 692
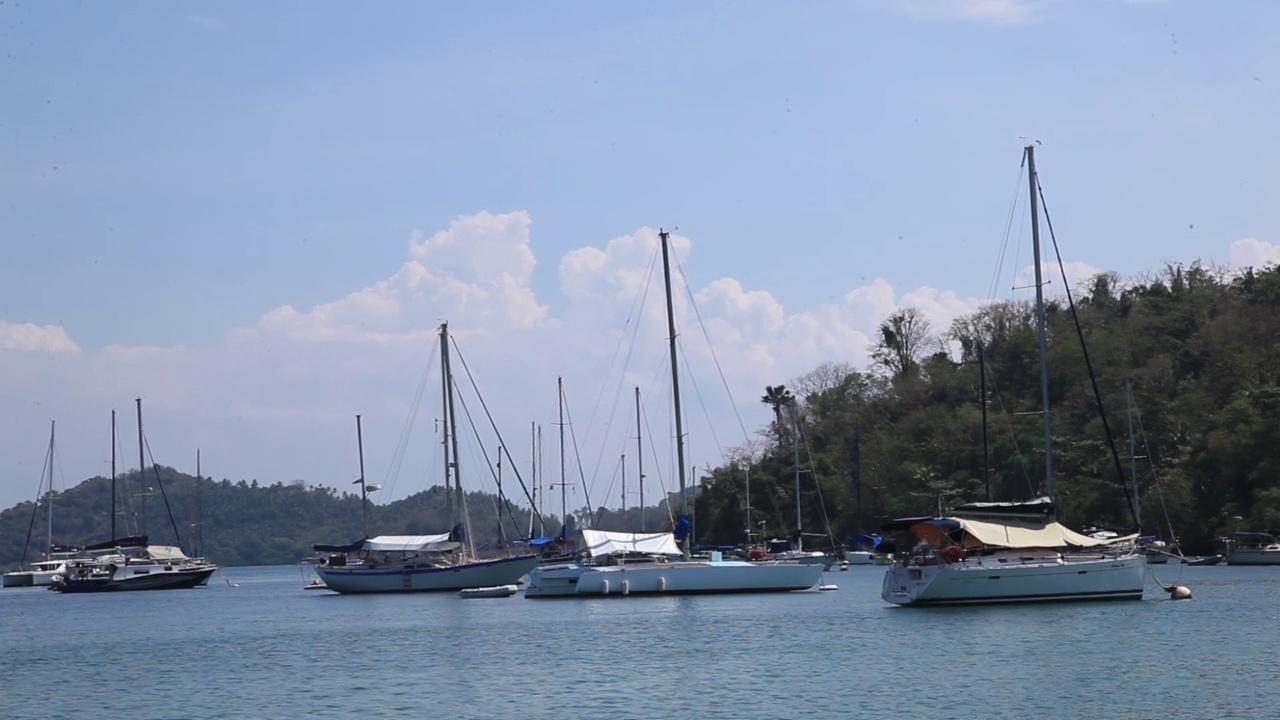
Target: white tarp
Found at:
615, 543
1014, 534
165, 552
409, 543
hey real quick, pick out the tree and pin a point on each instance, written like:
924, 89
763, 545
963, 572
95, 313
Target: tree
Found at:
903, 337
777, 397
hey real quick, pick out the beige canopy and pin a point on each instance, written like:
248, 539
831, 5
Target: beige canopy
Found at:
1011, 533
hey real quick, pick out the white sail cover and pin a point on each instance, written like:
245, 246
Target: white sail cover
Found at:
409, 543
616, 543
1032, 535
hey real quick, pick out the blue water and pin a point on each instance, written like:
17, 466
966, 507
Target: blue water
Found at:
269, 649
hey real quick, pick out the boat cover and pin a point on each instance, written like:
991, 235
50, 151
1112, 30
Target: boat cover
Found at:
601, 543
166, 552
409, 543
1011, 534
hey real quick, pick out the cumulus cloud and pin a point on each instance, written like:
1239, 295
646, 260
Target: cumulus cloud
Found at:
276, 401
29, 337
1252, 252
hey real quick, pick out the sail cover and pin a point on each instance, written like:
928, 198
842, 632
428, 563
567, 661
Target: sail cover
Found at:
616, 543
409, 543
1013, 534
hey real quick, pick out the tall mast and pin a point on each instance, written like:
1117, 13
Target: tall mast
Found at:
1133, 452
795, 441
986, 445
444, 411
451, 432
640, 459
533, 476
49, 528
364, 489
675, 381
624, 486
1041, 322
142, 469
113, 474
199, 549
564, 512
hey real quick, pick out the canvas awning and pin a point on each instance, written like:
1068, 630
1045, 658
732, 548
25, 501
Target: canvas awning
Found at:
1011, 534
601, 543
409, 543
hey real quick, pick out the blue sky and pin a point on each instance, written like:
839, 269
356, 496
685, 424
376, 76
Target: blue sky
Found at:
253, 215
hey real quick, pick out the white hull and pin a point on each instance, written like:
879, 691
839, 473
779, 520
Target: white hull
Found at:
671, 578
360, 578
1041, 579
1264, 556
859, 557
33, 578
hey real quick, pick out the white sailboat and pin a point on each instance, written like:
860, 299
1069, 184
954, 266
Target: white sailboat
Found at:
421, 563
1014, 552
656, 563
40, 573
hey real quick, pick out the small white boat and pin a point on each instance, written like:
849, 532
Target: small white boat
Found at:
489, 592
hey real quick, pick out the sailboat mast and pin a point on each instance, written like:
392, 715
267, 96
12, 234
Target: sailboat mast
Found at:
142, 469
624, 486
795, 442
113, 474
533, 477
675, 380
49, 528
1133, 452
1041, 323
640, 459
364, 492
451, 432
986, 445
564, 511
199, 549
444, 411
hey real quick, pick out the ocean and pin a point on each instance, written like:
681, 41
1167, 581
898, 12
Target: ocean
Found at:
267, 648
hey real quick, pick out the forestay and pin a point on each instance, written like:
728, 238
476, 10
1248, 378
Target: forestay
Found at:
601, 543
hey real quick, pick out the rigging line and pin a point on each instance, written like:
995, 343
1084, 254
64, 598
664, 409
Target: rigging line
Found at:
35, 506
1008, 230
1155, 478
573, 436
635, 312
657, 466
515, 468
1093, 380
706, 414
406, 430
813, 472
156, 469
599, 513
693, 303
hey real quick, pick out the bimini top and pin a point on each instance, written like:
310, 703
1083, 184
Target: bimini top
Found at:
601, 543
1010, 533
396, 543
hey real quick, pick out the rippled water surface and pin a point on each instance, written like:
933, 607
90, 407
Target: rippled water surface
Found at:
269, 649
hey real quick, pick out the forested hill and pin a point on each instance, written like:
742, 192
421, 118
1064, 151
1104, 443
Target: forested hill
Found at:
244, 523
1199, 346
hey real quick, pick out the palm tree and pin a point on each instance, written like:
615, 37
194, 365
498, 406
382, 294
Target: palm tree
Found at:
777, 397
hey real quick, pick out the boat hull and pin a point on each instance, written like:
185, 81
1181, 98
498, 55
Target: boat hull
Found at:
973, 582
859, 557
675, 578
1268, 556
360, 578
18, 578
177, 579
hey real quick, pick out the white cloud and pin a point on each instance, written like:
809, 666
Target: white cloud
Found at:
29, 337
997, 12
1252, 252
276, 400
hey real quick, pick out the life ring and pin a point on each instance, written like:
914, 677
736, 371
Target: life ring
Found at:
953, 554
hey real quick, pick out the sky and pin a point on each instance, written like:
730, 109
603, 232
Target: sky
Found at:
254, 216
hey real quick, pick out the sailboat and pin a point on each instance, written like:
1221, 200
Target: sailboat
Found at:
133, 563
793, 550
40, 573
994, 552
659, 563
421, 563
